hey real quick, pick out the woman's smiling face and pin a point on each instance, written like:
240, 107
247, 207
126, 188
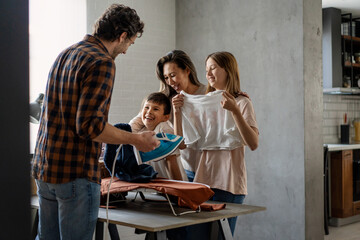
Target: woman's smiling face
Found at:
176, 77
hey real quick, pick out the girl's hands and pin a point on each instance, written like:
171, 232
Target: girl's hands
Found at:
177, 102
228, 102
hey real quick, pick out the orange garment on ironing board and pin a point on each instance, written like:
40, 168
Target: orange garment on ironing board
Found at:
189, 194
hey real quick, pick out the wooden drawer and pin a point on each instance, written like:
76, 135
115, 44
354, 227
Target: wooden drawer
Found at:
356, 206
341, 172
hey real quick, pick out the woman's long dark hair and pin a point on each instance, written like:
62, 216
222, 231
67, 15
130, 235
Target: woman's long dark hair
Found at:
183, 61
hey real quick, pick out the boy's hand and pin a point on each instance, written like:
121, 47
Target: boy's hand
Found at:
147, 141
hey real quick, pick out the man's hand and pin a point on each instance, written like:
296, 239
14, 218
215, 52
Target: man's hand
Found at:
146, 141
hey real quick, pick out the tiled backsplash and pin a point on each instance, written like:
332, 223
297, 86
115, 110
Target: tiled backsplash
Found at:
335, 106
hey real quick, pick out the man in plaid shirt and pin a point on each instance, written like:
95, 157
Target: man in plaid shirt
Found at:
74, 123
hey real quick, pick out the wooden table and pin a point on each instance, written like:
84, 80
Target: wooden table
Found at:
156, 217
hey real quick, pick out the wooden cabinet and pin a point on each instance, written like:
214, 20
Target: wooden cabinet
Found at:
351, 60
342, 184
341, 49
350, 50
356, 210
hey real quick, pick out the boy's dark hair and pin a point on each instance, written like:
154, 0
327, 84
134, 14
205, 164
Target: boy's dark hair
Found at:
162, 99
117, 19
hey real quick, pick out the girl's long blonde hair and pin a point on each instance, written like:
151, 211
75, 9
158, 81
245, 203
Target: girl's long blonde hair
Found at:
228, 62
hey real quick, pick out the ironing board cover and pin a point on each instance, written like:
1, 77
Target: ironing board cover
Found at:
189, 194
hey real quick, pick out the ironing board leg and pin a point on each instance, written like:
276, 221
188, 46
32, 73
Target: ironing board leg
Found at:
225, 229
114, 234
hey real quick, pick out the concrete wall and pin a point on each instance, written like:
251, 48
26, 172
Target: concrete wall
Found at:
135, 71
313, 112
278, 47
271, 41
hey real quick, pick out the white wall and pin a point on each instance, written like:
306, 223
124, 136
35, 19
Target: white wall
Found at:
335, 106
135, 71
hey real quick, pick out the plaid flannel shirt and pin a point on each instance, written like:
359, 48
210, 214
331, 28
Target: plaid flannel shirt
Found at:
75, 111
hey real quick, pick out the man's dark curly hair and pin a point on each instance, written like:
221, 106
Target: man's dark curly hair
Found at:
117, 19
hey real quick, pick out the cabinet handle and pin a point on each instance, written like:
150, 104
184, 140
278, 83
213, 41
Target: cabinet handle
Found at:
347, 154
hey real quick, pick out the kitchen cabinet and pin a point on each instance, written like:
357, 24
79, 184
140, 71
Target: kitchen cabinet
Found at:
342, 183
357, 208
341, 172
340, 51
350, 50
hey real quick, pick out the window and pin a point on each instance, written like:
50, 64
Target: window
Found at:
53, 26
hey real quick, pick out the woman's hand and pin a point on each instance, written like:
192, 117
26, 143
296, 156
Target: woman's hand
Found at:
177, 102
244, 94
228, 102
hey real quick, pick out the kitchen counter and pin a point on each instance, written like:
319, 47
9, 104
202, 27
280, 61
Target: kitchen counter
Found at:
340, 147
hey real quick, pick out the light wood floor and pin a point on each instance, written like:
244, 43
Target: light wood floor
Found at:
346, 232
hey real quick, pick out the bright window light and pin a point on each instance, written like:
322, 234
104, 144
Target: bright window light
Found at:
53, 26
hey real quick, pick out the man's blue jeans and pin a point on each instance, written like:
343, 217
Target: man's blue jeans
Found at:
68, 210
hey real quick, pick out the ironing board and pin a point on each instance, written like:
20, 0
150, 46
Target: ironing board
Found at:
191, 195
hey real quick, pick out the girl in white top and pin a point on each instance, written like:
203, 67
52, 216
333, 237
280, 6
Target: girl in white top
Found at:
224, 170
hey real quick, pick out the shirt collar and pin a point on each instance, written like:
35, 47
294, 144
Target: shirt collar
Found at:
92, 39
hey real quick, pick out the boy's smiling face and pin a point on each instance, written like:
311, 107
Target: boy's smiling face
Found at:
153, 114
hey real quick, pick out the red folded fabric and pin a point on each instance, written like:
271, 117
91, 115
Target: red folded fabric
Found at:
212, 206
189, 194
